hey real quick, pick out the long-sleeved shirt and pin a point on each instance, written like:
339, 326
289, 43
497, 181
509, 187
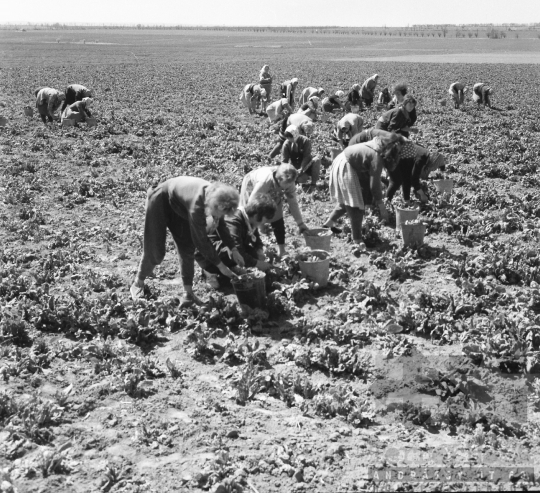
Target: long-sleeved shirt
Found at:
350, 124
265, 78
263, 181
307, 93
368, 164
457, 86
368, 87
50, 97
354, 97
331, 101
245, 238
296, 119
186, 196
298, 153
395, 120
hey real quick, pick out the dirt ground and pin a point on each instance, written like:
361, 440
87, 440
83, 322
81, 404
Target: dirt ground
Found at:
415, 369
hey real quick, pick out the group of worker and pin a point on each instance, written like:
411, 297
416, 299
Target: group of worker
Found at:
218, 227
75, 103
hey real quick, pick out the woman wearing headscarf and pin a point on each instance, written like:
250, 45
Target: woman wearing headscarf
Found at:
243, 227
355, 175
309, 92
482, 94
74, 93
287, 90
400, 91
310, 108
457, 91
297, 151
399, 119
48, 100
78, 111
278, 110
279, 183
190, 208
251, 96
410, 171
350, 125
367, 92
265, 81
333, 103
353, 99
367, 135
302, 122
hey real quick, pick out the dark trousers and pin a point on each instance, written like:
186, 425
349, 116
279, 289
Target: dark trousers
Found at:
368, 101
43, 110
401, 176
279, 231
356, 216
159, 218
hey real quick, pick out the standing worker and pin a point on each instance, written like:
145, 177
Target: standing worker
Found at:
287, 90
297, 151
457, 90
48, 100
74, 93
190, 208
279, 183
367, 92
265, 81
482, 94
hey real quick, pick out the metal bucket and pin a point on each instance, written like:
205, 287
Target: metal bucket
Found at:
319, 270
403, 215
444, 186
413, 234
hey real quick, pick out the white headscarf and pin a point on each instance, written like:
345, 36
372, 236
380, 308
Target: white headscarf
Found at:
293, 130
308, 127
87, 101
294, 80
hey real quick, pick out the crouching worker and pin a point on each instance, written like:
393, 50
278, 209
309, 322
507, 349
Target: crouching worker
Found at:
278, 110
355, 181
48, 100
482, 94
243, 227
279, 183
191, 209
297, 151
410, 170
251, 96
79, 111
347, 128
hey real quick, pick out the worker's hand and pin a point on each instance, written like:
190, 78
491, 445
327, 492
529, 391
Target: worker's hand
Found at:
264, 266
237, 257
383, 211
422, 196
226, 271
302, 228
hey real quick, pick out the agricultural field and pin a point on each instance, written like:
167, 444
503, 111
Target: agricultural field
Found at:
415, 369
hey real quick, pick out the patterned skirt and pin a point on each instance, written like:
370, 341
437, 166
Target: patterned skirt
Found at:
345, 186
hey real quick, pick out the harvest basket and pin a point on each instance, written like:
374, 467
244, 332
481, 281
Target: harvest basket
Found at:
28, 111
413, 234
315, 265
91, 122
403, 215
444, 186
319, 239
66, 122
250, 290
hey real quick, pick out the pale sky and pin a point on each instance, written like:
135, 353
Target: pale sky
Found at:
272, 12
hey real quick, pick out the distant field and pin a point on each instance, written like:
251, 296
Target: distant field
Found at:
46, 48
